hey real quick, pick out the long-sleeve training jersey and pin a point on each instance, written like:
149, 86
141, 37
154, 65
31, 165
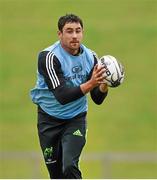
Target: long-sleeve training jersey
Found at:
59, 77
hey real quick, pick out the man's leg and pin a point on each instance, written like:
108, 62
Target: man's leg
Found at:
49, 135
53, 159
73, 141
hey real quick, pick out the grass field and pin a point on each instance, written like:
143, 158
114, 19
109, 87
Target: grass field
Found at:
126, 122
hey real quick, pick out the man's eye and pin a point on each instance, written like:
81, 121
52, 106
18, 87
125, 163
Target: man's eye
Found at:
78, 31
70, 32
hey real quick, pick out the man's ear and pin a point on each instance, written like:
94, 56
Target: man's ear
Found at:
59, 33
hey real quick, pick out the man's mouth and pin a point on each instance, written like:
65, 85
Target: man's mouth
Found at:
73, 42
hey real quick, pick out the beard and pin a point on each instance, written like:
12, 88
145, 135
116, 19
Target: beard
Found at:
75, 45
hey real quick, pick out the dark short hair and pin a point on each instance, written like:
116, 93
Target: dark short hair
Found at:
68, 18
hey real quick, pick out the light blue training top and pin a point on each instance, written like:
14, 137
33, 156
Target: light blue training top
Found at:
75, 69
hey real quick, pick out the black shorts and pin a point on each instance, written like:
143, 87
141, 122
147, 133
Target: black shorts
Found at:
61, 142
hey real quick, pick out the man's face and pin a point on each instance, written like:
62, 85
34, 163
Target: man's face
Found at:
71, 37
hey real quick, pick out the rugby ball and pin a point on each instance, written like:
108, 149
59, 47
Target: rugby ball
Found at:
114, 74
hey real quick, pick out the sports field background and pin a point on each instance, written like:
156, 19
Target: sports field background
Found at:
125, 123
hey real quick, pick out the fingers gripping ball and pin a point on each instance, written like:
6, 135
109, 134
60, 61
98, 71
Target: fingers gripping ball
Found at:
114, 74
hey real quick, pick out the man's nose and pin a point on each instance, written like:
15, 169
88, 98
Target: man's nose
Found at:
74, 34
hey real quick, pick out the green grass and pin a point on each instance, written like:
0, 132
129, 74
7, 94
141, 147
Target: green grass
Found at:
125, 122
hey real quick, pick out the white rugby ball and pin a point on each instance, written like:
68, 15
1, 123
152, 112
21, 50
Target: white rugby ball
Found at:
114, 74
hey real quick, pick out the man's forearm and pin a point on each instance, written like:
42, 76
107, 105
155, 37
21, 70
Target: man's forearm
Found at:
87, 87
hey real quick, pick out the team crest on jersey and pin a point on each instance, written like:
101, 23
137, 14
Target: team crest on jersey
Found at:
77, 69
77, 75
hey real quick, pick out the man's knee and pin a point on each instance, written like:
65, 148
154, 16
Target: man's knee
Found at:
72, 172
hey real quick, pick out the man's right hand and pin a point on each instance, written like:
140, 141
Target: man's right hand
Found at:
96, 79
